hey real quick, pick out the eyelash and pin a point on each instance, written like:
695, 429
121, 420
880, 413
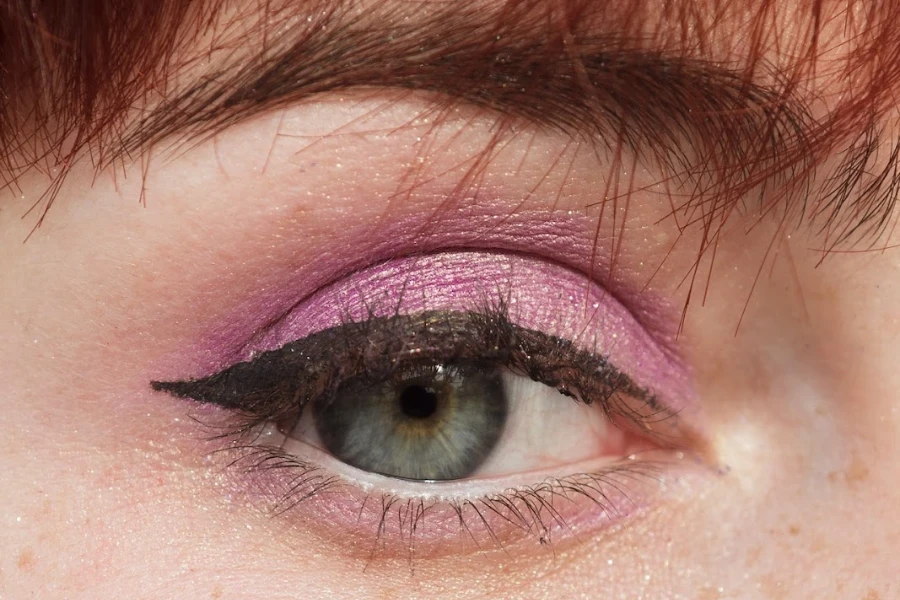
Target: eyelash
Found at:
531, 511
379, 346
275, 387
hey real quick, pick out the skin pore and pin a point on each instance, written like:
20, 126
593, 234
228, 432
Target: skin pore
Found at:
199, 238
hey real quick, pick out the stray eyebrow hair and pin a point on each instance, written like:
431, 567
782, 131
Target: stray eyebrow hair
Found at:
634, 76
568, 66
518, 60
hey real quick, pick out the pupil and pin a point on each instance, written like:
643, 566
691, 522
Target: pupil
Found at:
418, 402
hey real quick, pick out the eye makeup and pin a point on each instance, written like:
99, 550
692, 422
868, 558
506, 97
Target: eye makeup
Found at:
374, 517
277, 385
536, 294
462, 311
280, 287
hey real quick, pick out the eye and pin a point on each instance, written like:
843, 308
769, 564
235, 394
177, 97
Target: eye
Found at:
443, 422
457, 381
429, 422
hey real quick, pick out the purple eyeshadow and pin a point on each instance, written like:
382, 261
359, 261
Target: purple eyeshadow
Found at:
538, 294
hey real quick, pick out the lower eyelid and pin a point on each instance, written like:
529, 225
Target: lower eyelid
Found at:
376, 517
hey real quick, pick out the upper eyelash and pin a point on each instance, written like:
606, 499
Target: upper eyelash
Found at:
277, 385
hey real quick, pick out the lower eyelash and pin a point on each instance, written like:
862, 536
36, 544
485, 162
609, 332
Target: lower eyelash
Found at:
386, 524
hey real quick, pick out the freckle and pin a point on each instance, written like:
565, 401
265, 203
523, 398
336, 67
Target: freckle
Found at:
857, 472
818, 546
709, 593
872, 595
217, 592
793, 530
26, 560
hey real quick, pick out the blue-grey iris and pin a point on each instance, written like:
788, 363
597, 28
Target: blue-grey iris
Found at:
434, 422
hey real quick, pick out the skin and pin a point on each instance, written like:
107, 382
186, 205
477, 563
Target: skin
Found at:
111, 490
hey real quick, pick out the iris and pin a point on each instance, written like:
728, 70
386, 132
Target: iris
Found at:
431, 422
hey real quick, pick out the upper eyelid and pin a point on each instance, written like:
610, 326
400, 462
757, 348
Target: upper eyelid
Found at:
280, 383
442, 330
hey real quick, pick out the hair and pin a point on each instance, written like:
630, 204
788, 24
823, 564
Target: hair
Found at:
103, 80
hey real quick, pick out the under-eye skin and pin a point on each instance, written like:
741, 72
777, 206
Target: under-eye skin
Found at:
398, 425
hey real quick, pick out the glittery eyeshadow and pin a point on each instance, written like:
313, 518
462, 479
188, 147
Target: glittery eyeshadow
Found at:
538, 295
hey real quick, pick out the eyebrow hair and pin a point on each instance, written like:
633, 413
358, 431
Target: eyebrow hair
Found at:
575, 66
633, 75
527, 60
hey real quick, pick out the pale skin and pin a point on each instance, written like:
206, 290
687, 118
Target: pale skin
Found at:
109, 489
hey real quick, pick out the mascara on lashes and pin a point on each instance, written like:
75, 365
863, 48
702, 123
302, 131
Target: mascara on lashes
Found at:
278, 384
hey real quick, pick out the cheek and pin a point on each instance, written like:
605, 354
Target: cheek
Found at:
118, 519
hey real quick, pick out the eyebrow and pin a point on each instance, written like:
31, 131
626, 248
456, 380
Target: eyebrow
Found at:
578, 67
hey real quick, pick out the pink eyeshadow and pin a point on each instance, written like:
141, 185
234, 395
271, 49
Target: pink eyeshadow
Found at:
539, 295
563, 238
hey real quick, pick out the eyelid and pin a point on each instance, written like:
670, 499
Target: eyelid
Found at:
567, 306
372, 516
278, 384
536, 294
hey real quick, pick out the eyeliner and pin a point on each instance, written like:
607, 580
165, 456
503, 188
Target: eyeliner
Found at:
277, 383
